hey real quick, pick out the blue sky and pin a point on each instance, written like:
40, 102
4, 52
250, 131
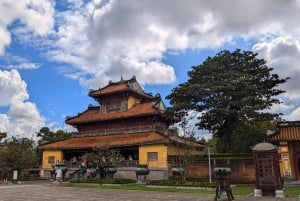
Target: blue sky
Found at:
53, 52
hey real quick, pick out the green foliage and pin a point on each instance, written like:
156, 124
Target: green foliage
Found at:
245, 136
18, 154
105, 181
103, 156
176, 182
46, 136
292, 190
233, 91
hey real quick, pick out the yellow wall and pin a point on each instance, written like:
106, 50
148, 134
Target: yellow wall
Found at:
46, 154
162, 155
131, 102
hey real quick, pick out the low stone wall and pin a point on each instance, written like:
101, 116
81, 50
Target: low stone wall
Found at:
154, 174
243, 170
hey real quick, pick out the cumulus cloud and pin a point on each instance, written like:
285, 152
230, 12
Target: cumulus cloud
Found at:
282, 54
33, 17
100, 40
23, 118
112, 38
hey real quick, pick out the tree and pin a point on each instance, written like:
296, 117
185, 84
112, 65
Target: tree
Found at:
232, 90
184, 147
18, 154
103, 158
47, 136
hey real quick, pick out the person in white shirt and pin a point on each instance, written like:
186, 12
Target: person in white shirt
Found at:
58, 172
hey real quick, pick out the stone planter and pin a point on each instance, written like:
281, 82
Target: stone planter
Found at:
110, 171
177, 171
141, 173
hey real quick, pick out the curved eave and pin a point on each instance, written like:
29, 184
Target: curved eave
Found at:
111, 119
96, 94
116, 140
93, 115
285, 133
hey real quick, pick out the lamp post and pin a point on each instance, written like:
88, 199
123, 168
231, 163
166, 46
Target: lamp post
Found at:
209, 165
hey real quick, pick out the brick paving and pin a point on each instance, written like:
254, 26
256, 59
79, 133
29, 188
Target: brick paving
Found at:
50, 192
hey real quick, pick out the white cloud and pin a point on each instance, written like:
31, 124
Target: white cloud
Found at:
23, 118
104, 39
282, 53
13, 88
31, 16
295, 115
128, 37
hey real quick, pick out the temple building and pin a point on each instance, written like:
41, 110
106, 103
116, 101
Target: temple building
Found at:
287, 140
127, 119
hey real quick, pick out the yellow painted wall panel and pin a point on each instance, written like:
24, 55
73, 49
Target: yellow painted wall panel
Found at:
58, 157
161, 152
131, 102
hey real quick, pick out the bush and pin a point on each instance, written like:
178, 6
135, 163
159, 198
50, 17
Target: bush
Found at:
104, 181
174, 182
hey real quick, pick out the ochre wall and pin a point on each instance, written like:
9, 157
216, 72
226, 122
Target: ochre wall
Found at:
131, 102
243, 171
162, 155
58, 158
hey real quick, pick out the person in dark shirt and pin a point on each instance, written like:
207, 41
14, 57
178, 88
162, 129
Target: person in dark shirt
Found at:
5, 175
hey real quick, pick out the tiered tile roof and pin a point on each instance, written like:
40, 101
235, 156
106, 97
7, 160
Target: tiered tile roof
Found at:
287, 131
117, 140
108, 140
121, 86
92, 114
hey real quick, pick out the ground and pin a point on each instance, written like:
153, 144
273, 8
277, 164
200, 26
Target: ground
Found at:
49, 192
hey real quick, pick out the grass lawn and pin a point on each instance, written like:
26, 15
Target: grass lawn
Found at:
292, 190
237, 190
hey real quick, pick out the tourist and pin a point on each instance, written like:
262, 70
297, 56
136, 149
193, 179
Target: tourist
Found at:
5, 175
88, 173
58, 172
74, 160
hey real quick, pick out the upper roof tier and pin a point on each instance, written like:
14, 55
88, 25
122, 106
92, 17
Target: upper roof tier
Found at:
123, 99
130, 85
92, 113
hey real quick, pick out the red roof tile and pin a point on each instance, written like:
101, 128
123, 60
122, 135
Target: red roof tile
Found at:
110, 89
286, 134
107, 140
118, 87
93, 114
189, 142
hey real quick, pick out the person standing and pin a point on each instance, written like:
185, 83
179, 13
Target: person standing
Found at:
5, 175
58, 172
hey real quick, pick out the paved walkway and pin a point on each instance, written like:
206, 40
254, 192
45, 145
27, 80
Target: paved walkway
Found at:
50, 192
